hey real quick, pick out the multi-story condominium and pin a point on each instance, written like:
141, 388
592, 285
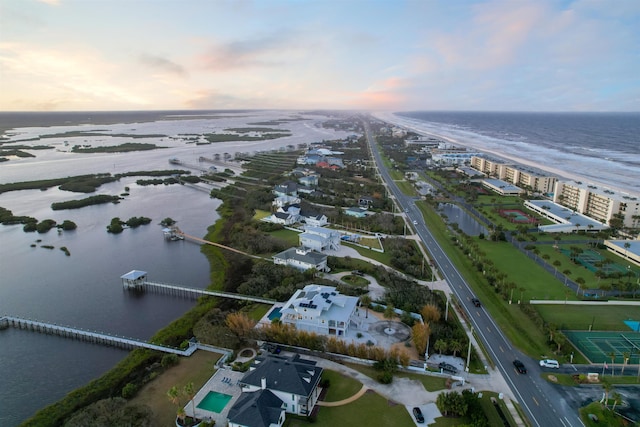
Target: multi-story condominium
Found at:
601, 204
514, 174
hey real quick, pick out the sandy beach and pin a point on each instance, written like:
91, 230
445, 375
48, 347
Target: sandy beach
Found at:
561, 173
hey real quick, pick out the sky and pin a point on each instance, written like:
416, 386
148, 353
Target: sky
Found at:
516, 55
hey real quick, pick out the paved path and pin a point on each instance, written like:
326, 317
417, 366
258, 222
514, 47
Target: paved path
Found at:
356, 396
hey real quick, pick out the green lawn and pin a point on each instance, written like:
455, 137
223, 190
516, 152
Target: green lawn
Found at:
430, 383
407, 188
384, 257
536, 281
257, 311
604, 318
288, 236
371, 410
605, 417
340, 386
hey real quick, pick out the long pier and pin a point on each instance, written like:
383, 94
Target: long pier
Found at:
186, 292
89, 336
179, 232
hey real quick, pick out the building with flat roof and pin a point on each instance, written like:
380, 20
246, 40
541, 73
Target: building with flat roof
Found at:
320, 309
566, 220
599, 203
627, 249
517, 175
501, 187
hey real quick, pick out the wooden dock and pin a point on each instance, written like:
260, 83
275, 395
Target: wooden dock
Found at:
186, 292
89, 336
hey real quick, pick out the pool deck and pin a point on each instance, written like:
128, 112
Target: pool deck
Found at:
223, 381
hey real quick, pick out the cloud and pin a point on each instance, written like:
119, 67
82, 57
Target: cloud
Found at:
162, 64
265, 51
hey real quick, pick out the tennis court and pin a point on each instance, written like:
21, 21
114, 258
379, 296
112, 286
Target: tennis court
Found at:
593, 261
598, 346
516, 215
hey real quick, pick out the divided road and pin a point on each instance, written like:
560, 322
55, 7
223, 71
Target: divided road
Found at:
541, 402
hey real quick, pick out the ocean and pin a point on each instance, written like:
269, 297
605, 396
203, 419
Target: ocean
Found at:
602, 148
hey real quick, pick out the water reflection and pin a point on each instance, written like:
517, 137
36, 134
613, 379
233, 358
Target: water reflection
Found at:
465, 222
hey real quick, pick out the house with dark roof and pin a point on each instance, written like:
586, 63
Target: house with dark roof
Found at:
260, 408
291, 379
313, 219
287, 188
302, 259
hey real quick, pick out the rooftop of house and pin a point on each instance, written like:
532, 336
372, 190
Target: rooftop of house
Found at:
325, 301
302, 255
260, 408
286, 374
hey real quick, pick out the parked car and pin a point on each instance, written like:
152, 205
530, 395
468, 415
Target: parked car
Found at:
549, 363
520, 367
418, 414
475, 302
448, 368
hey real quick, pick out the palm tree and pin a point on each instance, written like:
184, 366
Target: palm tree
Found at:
612, 355
389, 313
365, 300
174, 396
440, 346
190, 392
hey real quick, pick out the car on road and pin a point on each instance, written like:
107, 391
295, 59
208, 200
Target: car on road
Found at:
357, 273
418, 414
520, 367
448, 368
475, 301
549, 363
415, 222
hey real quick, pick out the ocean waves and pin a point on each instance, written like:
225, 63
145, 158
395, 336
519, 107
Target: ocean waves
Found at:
601, 149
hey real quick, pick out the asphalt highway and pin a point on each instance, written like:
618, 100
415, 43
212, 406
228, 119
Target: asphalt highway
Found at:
541, 402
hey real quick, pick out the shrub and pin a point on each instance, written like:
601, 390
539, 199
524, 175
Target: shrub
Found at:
129, 390
169, 360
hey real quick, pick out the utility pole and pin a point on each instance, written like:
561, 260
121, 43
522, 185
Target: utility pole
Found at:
469, 351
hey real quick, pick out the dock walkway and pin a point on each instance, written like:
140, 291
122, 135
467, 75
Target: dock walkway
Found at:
194, 292
90, 336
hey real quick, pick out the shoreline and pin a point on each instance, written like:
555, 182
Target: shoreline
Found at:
561, 174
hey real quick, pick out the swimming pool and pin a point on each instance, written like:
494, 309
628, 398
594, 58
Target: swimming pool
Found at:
275, 313
214, 401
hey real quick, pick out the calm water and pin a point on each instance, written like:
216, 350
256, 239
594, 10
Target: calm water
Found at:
84, 290
603, 148
455, 214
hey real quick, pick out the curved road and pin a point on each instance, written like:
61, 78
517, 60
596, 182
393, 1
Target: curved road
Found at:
542, 403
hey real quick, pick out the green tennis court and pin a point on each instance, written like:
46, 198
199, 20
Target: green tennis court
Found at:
599, 346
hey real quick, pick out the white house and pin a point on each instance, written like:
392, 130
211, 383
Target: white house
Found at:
291, 379
283, 218
313, 219
281, 201
319, 238
302, 259
320, 309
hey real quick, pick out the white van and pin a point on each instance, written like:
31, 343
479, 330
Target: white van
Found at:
549, 363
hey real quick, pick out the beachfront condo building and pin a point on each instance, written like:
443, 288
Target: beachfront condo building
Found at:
515, 175
602, 204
